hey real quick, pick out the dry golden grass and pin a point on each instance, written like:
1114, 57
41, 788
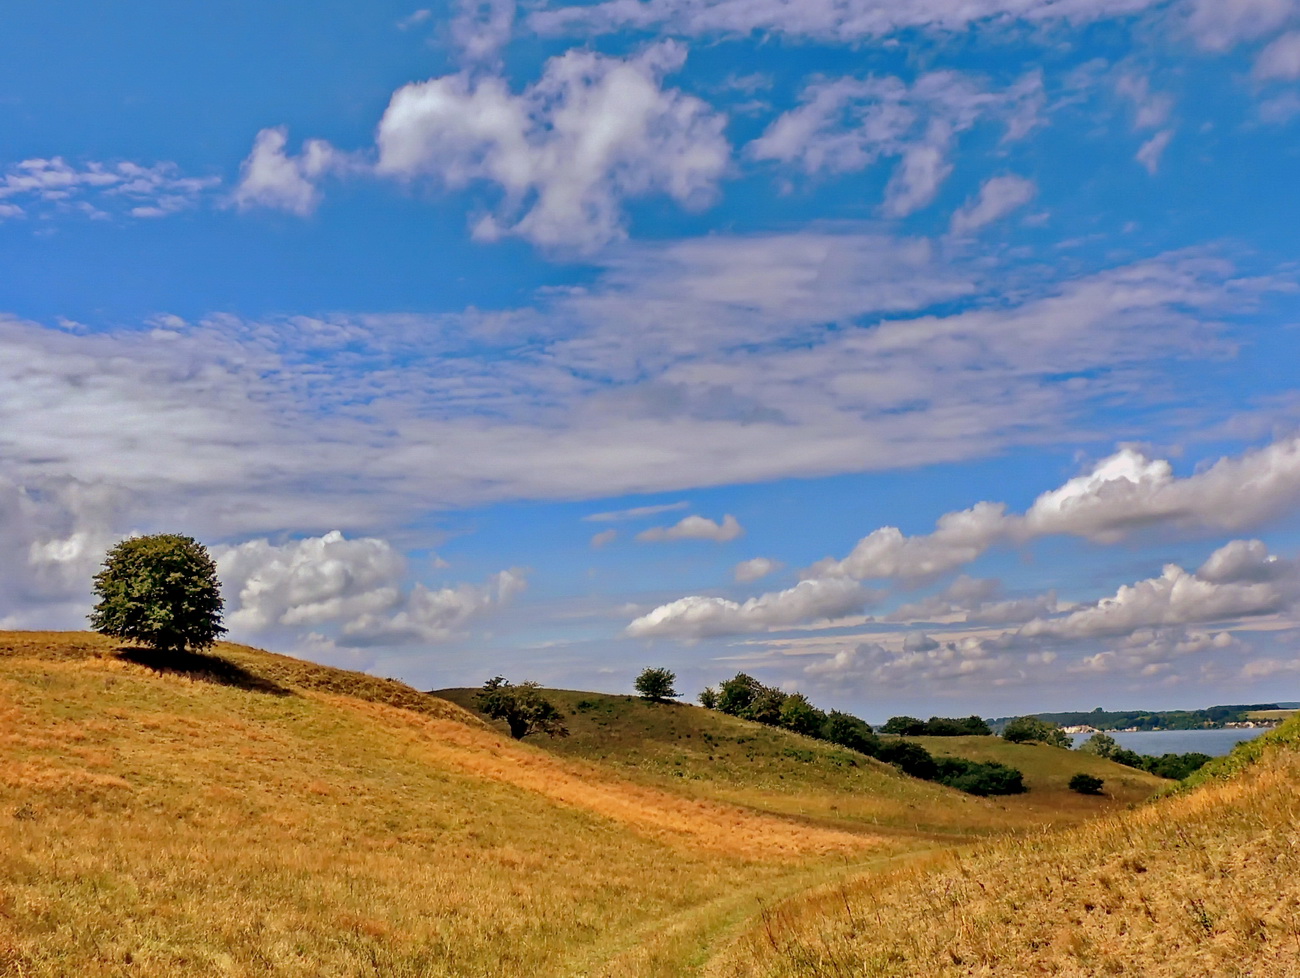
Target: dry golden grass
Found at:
1206, 883
293, 820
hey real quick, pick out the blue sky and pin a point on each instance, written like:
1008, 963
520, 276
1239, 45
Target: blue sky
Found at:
933, 357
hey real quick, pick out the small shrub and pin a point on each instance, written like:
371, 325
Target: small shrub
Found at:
1086, 784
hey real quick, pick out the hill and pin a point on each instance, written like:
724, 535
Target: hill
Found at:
709, 754
1047, 772
254, 814
1212, 716
1203, 883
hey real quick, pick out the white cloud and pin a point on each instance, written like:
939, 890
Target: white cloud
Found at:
976, 600
998, 197
355, 586
1150, 109
701, 617
636, 513
481, 28
99, 190
271, 178
848, 124
831, 20
1121, 495
1280, 60
603, 538
1175, 598
1150, 152
568, 150
1219, 25
695, 528
927, 663
754, 569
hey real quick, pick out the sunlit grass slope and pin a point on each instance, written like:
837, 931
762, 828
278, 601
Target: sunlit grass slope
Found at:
711, 755
1202, 883
262, 815
1047, 772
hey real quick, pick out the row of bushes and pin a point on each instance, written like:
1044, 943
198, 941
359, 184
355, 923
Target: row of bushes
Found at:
744, 696
971, 726
1172, 766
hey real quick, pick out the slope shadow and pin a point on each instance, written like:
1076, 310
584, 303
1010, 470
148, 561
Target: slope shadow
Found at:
201, 666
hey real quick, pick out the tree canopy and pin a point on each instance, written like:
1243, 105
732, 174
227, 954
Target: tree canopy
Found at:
1026, 730
524, 709
656, 685
160, 591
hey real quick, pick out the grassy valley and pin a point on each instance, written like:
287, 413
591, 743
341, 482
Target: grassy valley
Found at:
253, 814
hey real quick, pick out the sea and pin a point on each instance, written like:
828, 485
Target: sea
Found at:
1157, 742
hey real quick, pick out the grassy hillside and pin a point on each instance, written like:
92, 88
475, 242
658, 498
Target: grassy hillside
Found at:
1204, 883
711, 755
1047, 772
261, 815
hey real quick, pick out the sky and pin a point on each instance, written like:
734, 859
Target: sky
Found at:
932, 358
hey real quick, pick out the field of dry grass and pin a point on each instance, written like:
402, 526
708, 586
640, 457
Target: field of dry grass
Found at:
253, 814
1203, 883
278, 818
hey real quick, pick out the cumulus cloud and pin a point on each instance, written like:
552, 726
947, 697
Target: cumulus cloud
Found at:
831, 20
565, 152
926, 662
997, 197
1122, 494
355, 586
271, 178
702, 617
753, 570
695, 528
1280, 61
978, 601
848, 124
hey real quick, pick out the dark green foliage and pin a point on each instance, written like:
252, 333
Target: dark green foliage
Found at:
979, 777
802, 717
971, 726
656, 685
160, 591
1086, 784
1176, 766
736, 694
1129, 758
904, 726
1026, 730
522, 707
745, 697
1103, 745
909, 758
849, 731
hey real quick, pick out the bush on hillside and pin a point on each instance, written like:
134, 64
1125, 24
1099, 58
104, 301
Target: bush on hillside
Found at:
709, 698
800, 716
903, 726
736, 694
1103, 745
160, 591
1028, 730
656, 685
849, 731
1176, 767
522, 707
1086, 784
979, 777
909, 758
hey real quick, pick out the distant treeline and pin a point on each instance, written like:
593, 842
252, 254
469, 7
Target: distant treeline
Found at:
745, 697
1214, 716
971, 726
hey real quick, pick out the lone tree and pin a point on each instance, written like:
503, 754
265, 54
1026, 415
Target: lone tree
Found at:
656, 685
1027, 730
522, 707
160, 591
